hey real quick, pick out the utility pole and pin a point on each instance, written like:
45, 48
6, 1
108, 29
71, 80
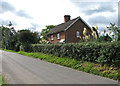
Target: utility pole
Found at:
119, 13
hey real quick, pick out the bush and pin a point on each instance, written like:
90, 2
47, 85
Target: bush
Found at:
26, 47
103, 53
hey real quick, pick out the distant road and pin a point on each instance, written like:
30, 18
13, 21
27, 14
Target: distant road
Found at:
19, 69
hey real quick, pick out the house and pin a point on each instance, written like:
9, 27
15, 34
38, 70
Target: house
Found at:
71, 31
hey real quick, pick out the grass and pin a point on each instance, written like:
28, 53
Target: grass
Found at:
94, 68
2, 81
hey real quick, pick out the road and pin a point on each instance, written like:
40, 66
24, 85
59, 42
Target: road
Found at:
19, 69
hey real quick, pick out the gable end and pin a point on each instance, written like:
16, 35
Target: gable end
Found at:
76, 21
72, 24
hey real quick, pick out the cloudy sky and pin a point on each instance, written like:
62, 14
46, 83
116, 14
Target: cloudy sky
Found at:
36, 14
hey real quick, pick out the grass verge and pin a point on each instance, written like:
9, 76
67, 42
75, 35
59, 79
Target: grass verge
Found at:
89, 67
2, 81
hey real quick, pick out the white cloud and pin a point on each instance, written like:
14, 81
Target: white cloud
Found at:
96, 14
21, 22
77, 1
51, 12
44, 12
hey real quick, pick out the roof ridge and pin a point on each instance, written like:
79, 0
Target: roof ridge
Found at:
62, 26
68, 21
84, 22
75, 20
66, 25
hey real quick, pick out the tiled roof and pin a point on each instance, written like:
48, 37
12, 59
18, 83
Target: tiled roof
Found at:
61, 27
65, 26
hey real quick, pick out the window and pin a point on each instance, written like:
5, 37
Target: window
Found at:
58, 36
77, 34
52, 37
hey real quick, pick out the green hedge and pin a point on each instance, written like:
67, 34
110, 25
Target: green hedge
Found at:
103, 53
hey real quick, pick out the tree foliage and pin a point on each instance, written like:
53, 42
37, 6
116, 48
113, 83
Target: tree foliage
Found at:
46, 30
116, 31
26, 36
10, 39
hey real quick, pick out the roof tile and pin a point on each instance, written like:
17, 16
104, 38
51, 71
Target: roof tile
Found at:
61, 27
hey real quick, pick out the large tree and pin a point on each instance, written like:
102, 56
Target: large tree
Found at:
46, 30
8, 37
26, 36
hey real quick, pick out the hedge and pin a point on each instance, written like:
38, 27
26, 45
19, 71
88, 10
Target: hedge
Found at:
103, 53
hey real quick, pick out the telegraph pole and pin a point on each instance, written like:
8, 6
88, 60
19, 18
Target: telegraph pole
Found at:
119, 13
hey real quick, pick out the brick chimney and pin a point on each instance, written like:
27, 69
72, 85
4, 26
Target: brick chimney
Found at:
66, 18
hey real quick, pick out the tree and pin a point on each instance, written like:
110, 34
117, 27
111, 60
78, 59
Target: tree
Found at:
8, 37
45, 31
116, 31
26, 36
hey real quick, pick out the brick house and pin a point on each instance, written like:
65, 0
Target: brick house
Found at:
70, 31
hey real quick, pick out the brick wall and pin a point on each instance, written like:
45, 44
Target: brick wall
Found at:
71, 32
55, 40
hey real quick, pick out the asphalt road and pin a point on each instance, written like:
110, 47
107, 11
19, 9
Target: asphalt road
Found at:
19, 69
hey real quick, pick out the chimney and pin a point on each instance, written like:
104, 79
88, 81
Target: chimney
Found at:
66, 18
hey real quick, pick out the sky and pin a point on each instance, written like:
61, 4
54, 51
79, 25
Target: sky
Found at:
36, 14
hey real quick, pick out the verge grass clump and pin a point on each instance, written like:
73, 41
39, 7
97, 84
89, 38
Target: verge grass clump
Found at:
2, 81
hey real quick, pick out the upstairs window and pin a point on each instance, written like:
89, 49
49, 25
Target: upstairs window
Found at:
51, 37
77, 34
58, 36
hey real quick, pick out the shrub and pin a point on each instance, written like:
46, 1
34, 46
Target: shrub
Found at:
103, 53
26, 47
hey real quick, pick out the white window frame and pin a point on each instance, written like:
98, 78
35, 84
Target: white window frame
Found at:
58, 36
52, 38
78, 34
